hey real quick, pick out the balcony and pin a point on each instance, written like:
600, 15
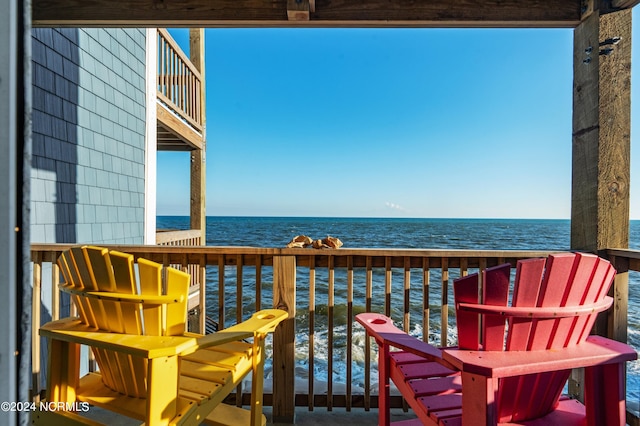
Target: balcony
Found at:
180, 120
179, 98
324, 289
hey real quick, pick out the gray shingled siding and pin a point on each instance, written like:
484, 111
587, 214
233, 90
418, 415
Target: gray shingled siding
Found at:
88, 136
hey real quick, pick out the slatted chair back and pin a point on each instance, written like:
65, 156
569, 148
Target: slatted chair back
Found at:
554, 304
114, 294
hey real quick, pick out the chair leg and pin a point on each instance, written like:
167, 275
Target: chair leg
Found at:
162, 399
384, 366
64, 371
479, 395
605, 396
257, 381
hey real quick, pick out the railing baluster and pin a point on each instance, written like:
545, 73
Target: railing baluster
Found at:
239, 284
387, 286
221, 291
36, 305
55, 291
349, 329
444, 312
192, 94
202, 286
330, 304
198, 88
406, 320
426, 311
367, 339
258, 282
312, 332
181, 102
482, 265
184, 265
170, 74
464, 267
163, 67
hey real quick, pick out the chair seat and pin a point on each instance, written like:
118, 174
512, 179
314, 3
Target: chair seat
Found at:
568, 412
430, 388
206, 378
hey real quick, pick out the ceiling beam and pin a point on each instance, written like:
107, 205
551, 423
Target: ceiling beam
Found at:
624, 4
322, 13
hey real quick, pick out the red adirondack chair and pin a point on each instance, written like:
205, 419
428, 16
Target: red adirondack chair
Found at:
512, 362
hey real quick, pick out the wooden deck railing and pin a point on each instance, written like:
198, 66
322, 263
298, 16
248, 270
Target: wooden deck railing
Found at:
624, 261
323, 290
181, 238
179, 82
189, 237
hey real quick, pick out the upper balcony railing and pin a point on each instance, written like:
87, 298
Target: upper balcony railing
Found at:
326, 359
179, 82
188, 237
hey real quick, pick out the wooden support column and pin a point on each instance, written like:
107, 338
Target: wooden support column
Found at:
601, 132
284, 297
198, 156
198, 215
601, 150
601, 142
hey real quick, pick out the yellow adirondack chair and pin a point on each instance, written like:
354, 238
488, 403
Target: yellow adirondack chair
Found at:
150, 367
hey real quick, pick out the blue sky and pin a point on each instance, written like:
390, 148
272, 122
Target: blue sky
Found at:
384, 123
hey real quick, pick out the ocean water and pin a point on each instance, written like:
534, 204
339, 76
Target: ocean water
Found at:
489, 234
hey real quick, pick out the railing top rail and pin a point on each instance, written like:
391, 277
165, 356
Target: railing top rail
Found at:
622, 252
269, 251
166, 236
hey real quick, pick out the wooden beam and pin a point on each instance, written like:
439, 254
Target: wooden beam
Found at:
624, 4
322, 13
601, 132
198, 156
587, 8
171, 123
298, 10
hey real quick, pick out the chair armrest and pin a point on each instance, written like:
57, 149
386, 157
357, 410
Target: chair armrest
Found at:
596, 350
72, 330
381, 328
553, 312
260, 323
157, 299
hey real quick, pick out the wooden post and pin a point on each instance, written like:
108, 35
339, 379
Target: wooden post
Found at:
198, 156
284, 297
198, 215
601, 148
616, 326
602, 143
601, 132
